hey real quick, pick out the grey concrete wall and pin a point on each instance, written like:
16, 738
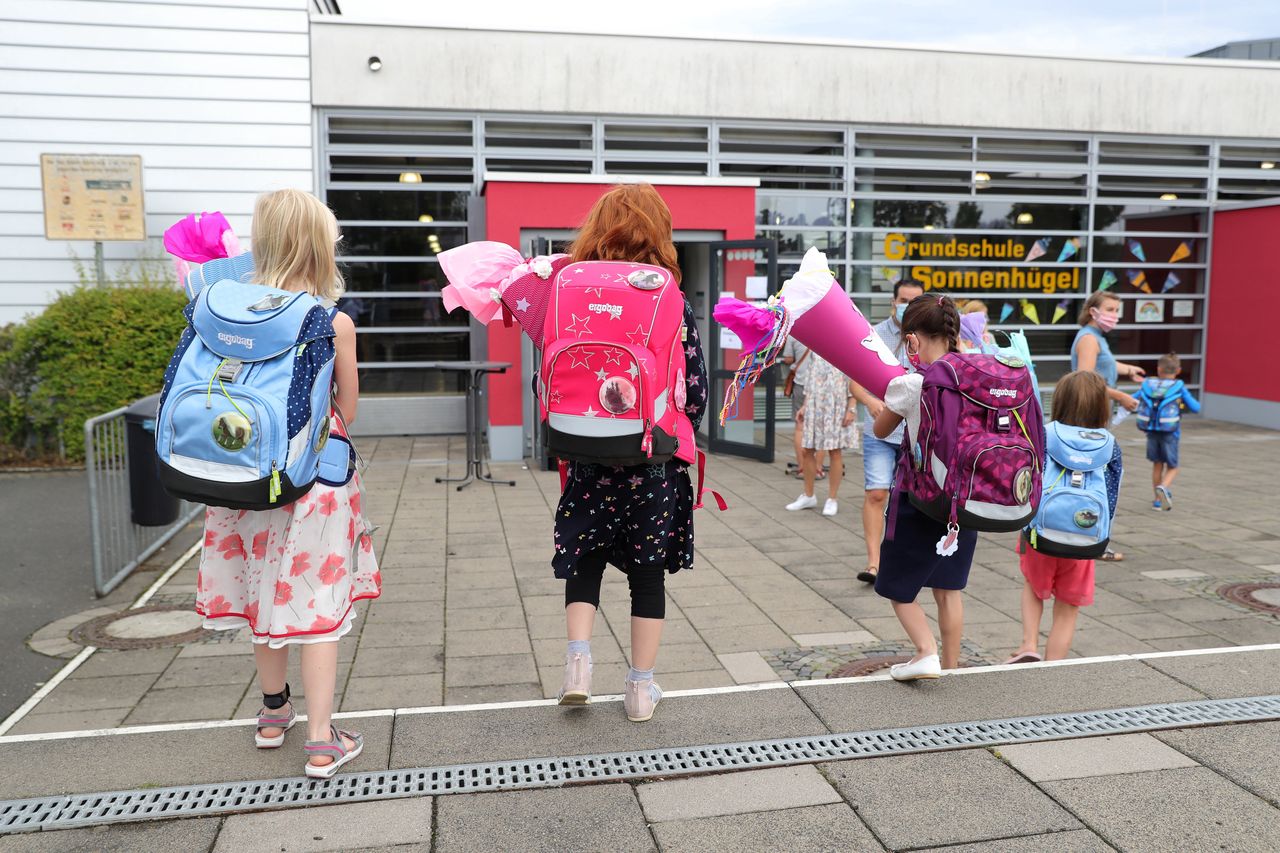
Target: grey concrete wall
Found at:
431, 68
1242, 410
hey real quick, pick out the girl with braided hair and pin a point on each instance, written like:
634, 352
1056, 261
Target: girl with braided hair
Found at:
909, 561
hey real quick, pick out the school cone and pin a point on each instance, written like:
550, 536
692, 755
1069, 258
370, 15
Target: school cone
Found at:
836, 330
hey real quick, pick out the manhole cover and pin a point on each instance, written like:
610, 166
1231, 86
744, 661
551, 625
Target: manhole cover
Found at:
145, 628
1259, 596
866, 666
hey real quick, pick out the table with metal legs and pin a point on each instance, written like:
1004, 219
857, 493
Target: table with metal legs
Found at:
475, 371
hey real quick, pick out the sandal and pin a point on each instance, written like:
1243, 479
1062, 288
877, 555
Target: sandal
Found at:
868, 575
269, 718
1113, 557
1025, 657
334, 748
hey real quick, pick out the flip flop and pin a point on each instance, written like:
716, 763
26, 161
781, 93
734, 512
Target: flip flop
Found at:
1113, 557
1025, 657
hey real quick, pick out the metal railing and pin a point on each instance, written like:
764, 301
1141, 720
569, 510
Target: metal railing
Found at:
119, 545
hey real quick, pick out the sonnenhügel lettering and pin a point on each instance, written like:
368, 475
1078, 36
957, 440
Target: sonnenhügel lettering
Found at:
899, 247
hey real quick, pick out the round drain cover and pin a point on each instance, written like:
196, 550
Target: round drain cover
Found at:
1258, 596
144, 628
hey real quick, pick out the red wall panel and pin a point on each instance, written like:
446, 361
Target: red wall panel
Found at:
513, 206
1243, 288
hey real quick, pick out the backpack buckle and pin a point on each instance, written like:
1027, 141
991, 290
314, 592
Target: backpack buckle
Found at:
1004, 423
1077, 479
229, 370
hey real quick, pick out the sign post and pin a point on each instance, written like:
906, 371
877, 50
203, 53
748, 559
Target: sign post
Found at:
94, 197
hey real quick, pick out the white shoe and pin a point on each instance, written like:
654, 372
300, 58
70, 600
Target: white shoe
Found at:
830, 507
802, 502
926, 667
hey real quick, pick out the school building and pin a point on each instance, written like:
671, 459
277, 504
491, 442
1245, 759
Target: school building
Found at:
1025, 181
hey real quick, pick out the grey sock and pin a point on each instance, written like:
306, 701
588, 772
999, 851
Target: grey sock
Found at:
582, 647
640, 674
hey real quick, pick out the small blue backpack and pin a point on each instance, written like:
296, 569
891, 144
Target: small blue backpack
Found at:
1159, 405
1074, 518
244, 414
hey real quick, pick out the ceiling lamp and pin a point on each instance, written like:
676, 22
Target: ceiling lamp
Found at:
928, 228
981, 180
1168, 196
375, 64
1025, 218
410, 178
1267, 164
426, 217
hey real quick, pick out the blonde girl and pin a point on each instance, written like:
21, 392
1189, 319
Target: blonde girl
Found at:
292, 575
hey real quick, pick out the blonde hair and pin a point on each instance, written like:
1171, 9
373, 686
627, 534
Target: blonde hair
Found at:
973, 306
294, 243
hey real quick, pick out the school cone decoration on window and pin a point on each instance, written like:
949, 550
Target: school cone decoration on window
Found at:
813, 308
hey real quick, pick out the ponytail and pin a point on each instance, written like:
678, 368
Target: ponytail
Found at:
935, 316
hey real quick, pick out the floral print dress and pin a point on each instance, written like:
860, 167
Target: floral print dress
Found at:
826, 398
291, 574
639, 516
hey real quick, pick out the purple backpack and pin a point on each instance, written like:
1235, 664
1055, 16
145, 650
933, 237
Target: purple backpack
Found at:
978, 459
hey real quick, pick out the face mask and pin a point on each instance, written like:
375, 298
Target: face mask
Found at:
1106, 322
899, 310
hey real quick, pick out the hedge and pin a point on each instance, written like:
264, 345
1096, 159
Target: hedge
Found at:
92, 350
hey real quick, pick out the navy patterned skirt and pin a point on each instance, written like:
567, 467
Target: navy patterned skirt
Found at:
638, 517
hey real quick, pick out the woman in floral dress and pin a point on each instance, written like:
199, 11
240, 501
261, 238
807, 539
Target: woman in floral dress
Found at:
828, 417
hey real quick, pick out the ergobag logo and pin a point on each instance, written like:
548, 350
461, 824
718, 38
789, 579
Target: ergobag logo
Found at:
235, 340
614, 311
1004, 392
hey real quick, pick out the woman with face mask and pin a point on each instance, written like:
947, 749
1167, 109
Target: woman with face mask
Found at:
1091, 351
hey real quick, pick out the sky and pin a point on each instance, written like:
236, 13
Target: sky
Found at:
1070, 27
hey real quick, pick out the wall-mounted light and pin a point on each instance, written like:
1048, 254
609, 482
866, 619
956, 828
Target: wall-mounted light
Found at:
1025, 218
981, 180
375, 64
1168, 196
1267, 164
410, 178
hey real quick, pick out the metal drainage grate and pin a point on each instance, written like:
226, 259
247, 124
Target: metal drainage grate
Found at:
46, 813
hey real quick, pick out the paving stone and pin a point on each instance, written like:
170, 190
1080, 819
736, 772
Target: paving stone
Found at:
1244, 632
479, 619
415, 612
1144, 590
400, 635
445, 738
1071, 841
188, 703
734, 615
194, 834
106, 662
700, 679
468, 598
745, 638
202, 672
487, 670
983, 798
735, 793
67, 721
495, 641
388, 663
705, 596
349, 826
747, 667
1173, 574
827, 618
1149, 626
1222, 676
596, 817
1188, 809
798, 830
405, 691
490, 693
92, 694
1092, 756
1234, 752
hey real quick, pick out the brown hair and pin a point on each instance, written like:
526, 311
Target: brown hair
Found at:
935, 316
632, 223
1169, 363
1095, 300
1080, 399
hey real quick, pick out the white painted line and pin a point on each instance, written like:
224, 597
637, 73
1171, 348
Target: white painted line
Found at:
45, 689
164, 578
85, 653
701, 691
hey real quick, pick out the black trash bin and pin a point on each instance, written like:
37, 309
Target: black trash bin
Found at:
151, 505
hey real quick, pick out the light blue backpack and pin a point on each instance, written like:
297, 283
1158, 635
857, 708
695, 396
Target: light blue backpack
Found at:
244, 414
1159, 405
1074, 518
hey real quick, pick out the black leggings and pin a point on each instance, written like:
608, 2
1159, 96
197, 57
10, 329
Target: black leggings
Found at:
648, 598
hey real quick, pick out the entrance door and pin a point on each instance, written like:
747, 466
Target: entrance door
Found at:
747, 270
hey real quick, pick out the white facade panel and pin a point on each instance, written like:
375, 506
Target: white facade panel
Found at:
487, 70
215, 98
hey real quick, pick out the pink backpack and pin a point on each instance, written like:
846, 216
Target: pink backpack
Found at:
978, 459
612, 385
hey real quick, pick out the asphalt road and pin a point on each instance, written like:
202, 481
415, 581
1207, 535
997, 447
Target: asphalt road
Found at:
45, 571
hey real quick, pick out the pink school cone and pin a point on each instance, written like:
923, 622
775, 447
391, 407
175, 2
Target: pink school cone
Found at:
837, 331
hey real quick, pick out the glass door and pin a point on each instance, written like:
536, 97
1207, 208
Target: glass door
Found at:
735, 268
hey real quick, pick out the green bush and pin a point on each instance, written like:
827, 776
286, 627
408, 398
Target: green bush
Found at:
92, 350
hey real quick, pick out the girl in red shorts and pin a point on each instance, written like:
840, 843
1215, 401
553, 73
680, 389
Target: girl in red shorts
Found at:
1079, 400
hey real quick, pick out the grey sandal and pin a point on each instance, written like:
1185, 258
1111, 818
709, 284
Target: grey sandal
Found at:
271, 718
335, 749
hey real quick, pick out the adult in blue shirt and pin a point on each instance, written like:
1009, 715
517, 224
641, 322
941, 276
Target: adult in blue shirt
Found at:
880, 456
1091, 351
